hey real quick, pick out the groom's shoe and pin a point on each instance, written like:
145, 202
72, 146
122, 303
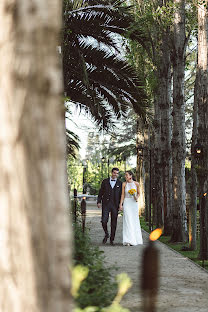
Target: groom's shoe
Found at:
112, 243
105, 238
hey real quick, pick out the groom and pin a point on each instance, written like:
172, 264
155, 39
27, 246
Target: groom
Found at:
109, 195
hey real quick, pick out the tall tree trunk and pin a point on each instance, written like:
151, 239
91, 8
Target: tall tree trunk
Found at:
157, 158
165, 106
140, 174
178, 142
193, 193
35, 235
162, 124
147, 169
202, 72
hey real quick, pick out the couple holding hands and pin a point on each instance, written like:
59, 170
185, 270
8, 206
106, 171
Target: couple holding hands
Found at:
114, 196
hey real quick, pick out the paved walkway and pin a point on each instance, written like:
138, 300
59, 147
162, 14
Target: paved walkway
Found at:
183, 285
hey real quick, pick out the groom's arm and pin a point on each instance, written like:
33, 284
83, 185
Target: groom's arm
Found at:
122, 197
100, 195
121, 189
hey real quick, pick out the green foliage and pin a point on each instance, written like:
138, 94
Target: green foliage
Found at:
144, 224
96, 74
97, 289
79, 273
154, 21
96, 172
124, 283
72, 140
192, 255
191, 18
124, 138
164, 14
72, 143
102, 156
75, 173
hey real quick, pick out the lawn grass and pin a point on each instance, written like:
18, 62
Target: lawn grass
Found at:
144, 224
192, 255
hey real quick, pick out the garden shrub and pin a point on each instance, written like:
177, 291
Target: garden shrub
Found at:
98, 289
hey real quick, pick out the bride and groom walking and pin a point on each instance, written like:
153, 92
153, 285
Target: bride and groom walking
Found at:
114, 196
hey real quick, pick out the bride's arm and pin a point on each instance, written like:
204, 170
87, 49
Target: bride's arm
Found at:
138, 192
122, 196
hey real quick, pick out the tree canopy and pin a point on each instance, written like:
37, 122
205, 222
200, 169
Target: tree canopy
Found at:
97, 77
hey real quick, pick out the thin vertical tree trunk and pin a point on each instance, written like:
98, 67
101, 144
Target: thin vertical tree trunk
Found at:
178, 142
157, 157
35, 235
165, 106
202, 72
140, 175
153, 180
147, 172
193, 193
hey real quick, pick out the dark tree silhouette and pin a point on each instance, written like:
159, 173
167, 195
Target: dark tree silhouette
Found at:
97, 76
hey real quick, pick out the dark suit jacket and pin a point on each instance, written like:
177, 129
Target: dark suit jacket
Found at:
105, 193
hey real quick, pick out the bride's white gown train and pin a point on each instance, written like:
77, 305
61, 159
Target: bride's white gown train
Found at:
131, 225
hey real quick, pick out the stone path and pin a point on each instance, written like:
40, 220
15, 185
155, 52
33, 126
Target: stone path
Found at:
183, 285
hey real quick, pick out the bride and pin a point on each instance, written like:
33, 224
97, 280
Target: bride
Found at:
132, 234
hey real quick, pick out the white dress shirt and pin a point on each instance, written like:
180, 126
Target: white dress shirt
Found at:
112, 183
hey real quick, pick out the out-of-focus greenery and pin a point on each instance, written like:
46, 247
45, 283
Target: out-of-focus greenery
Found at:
98, 289
75, 173
94, 174
102, 155
79, 274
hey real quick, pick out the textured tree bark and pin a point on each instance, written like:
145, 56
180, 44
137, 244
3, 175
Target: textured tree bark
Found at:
162, 128
35, 234
140, 173
165, 140
147, 182
193, 193
178, 142
202, 73
158, 175
159, 53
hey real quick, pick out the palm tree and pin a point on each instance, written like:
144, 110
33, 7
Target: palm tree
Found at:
72, 143
96, 75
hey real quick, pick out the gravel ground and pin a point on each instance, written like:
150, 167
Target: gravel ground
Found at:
183, 285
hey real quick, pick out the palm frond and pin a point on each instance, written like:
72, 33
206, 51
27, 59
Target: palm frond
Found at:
95, 75
72, 143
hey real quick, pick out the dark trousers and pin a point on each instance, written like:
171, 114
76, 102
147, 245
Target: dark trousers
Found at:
110, 209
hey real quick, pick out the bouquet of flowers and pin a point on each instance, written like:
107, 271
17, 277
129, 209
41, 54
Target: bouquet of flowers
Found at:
133, 192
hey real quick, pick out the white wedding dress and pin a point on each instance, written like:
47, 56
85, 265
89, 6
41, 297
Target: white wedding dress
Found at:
131, 225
